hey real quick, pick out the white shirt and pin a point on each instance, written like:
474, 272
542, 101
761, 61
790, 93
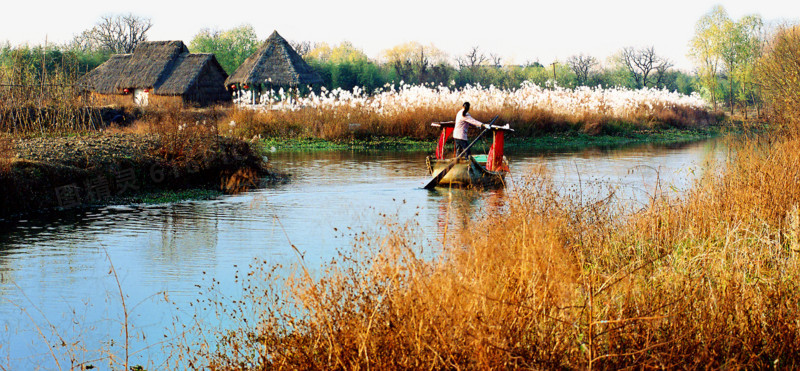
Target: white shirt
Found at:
462, 124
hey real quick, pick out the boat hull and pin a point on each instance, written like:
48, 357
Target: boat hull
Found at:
466, 173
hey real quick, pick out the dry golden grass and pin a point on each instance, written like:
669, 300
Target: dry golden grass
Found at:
553, 282
335, 124
345, 122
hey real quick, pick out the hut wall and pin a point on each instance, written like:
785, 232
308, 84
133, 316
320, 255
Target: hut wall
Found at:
140, 97
168, 101
126, 100
97, 99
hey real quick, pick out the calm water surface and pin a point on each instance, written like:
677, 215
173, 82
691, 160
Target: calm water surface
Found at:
56, 279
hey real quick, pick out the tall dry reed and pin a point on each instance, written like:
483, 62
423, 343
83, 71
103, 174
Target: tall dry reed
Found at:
409, 110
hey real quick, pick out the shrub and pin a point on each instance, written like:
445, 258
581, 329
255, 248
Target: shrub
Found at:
779, 75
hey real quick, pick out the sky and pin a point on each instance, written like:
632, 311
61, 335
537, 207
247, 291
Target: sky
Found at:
518, 31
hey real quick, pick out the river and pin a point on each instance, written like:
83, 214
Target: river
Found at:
58, 289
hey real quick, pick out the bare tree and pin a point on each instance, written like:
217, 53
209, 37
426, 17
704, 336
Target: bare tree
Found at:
661, 71
115, 33
422, 63
302, 47
582, 65
472, 59
83, 42
497, 61
643, 62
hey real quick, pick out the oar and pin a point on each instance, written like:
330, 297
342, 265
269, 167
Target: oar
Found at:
440, 175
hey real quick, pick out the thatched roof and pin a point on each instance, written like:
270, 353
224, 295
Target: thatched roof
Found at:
276, 63
103, 79
186, 70
150, 63
167, 67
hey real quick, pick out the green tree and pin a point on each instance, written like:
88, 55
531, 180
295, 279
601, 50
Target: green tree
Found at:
722, 45
752, 40
231, 47
704, 49
414, 62
346, 66
731, 40
614, 75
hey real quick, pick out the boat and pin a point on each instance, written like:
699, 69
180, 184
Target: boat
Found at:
481, 170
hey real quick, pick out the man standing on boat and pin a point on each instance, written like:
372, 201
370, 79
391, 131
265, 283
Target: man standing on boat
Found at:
463, 121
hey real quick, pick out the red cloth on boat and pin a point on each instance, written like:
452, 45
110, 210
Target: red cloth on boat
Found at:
494, 162
442, 139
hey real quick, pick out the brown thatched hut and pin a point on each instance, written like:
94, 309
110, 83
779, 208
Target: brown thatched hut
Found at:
275, 64
160, 70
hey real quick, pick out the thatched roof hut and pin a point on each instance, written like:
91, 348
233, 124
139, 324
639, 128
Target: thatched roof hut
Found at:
275, 63
164, 68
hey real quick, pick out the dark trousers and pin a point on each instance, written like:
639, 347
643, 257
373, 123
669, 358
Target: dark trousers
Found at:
462, 144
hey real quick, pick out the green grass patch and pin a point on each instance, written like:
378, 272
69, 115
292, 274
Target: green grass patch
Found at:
577, 140
563, 140
312, 144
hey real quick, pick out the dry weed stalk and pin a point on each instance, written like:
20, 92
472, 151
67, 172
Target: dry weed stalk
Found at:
551, 281
6, 153
47, 103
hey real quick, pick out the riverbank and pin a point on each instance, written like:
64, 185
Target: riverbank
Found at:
60, 173
556, 141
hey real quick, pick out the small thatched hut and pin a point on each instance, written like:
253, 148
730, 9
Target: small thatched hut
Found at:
160, 70
275, 64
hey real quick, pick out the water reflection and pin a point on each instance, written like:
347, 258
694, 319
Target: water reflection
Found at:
457, 207
59, 266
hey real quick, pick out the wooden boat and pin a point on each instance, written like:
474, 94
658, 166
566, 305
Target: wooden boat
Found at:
485, 170
469, 172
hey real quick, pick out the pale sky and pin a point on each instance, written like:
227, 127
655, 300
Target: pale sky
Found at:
516, 30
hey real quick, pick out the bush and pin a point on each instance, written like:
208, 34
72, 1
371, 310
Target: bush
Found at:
779, 74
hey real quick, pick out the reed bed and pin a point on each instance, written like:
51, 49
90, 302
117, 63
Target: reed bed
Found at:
553, 280
407, 110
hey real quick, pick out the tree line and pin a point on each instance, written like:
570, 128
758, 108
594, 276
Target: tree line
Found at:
725, 52
112, 34
345, 66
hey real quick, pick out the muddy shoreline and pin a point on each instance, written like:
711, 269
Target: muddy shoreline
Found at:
63, 173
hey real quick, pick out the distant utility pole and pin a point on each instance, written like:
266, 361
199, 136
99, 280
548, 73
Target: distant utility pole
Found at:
554, 74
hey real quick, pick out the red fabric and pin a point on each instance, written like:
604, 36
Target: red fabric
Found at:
446, 132
494, 162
